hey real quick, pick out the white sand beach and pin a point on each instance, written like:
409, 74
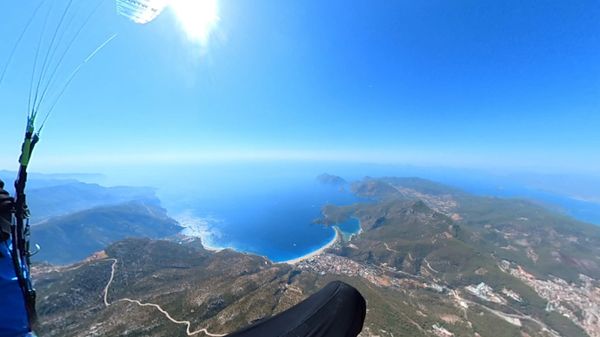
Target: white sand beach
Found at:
318, 251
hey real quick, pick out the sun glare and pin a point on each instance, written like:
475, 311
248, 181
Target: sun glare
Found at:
198, 18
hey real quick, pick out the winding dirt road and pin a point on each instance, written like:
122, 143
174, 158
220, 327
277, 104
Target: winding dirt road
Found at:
188, 324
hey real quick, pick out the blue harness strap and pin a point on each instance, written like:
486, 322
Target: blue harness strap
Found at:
14, 321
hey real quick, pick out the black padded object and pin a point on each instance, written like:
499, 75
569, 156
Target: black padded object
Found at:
6, 208
338, 310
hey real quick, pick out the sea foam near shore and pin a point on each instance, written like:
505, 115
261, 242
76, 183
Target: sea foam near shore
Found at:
205, 229
276, 222
200, 227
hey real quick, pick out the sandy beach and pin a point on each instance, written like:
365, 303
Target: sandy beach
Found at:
197, 227
318, 251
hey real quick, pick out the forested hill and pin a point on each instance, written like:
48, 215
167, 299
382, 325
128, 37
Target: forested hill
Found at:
431, 261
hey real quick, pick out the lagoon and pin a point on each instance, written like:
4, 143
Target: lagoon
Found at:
273, 221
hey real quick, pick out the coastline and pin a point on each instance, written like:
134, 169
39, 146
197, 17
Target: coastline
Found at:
198, 227
319, 251
348, 236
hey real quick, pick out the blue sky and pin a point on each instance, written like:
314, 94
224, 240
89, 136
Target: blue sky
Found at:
484, 84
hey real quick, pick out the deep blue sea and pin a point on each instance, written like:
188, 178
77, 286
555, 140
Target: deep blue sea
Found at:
269, 208
273, 221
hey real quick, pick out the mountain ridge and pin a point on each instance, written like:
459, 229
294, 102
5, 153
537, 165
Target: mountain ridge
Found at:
430, 261
69, 238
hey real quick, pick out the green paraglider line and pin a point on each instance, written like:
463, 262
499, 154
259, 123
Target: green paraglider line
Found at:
30, 111
50, 48
62, 35
45, 77
65, 52
70, 79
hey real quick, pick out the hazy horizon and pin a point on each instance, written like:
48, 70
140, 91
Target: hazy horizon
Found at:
177, 186
501, 86
210, 98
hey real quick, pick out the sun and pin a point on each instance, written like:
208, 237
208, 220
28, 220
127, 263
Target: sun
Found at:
198, 18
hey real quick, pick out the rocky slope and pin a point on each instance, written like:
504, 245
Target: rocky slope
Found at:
73, 237
431, 261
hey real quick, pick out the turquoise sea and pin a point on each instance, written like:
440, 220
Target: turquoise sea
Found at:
278, 222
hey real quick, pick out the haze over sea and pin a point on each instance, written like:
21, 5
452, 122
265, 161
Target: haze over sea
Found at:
263, 208
273, 221
270, 208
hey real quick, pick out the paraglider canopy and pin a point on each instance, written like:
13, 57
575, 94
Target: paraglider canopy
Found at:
141, 11
197, 18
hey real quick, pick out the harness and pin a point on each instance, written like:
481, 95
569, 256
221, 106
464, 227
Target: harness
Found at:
5, 229
17, 229
20, 229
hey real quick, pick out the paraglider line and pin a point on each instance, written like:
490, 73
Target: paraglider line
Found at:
30, 111
50, 48
69, 45
18, 42
100, 48
71, 77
